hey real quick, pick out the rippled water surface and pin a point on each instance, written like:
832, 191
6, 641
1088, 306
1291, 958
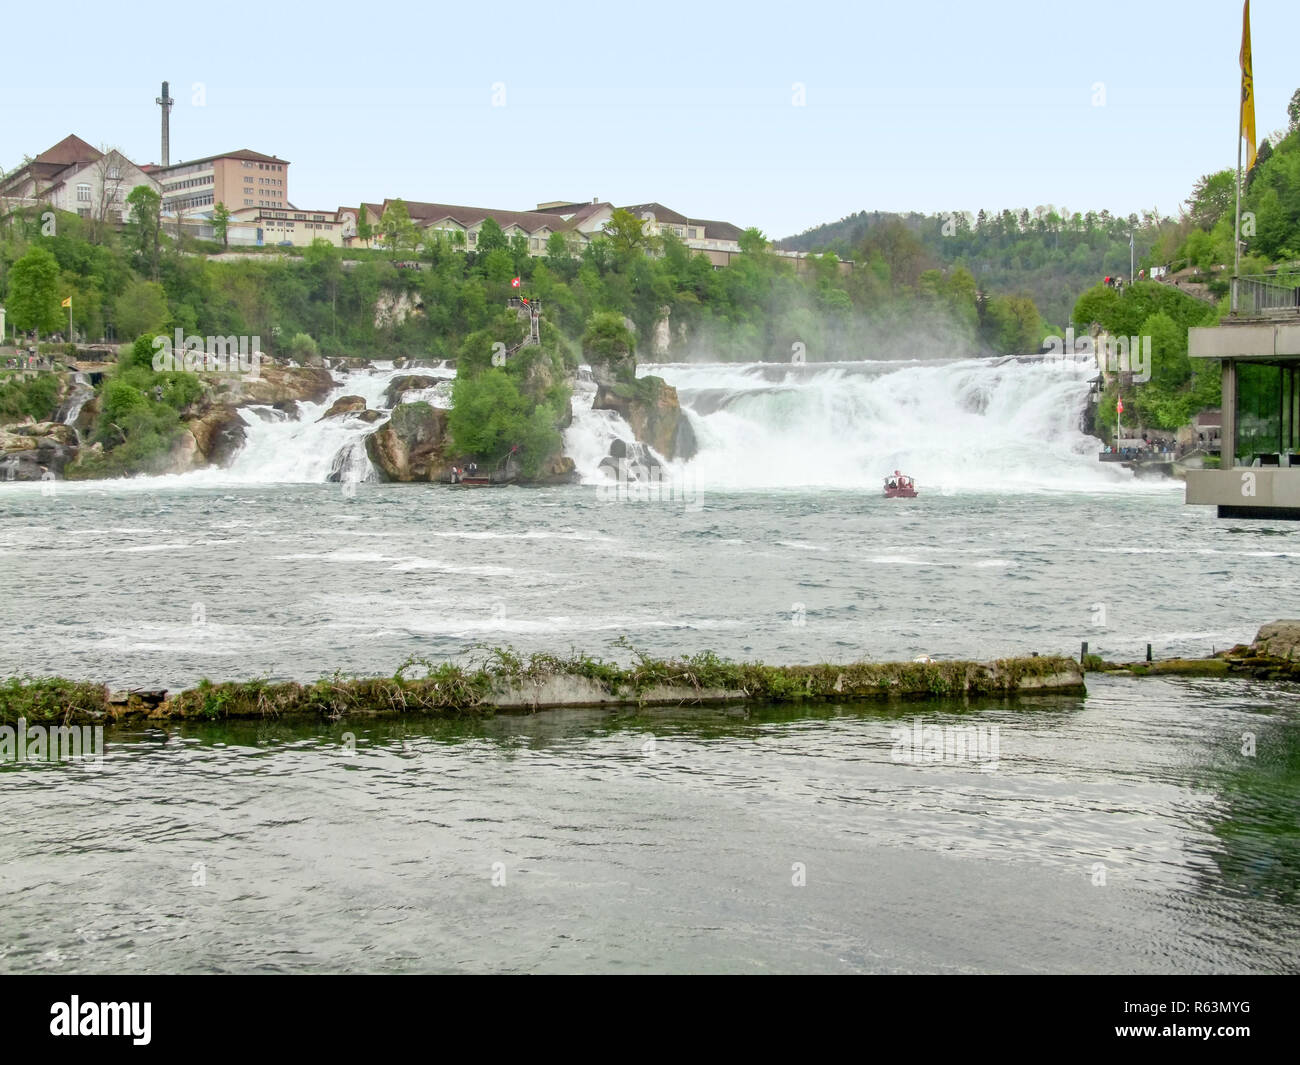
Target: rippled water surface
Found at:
149, 583
671, 840
1126, 831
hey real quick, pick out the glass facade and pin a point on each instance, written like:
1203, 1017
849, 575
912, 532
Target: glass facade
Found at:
1268, 413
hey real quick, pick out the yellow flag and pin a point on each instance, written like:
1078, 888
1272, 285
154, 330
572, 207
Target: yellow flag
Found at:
1247, 89
68, 302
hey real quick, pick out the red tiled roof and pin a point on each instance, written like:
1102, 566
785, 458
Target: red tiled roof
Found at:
529, 221
69, 151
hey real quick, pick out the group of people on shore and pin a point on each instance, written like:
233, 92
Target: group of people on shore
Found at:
1150, 448
28, 361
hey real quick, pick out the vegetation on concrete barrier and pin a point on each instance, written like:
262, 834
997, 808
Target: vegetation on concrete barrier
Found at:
423, 687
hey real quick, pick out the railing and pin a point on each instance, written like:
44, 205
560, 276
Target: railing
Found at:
1265, 294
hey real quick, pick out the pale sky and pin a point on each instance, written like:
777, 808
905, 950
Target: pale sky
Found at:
915, 105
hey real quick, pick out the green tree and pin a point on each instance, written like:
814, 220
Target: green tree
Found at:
302, 347
400, 234
1212, 196
490, 416
144, 227
140, 309
33, 300
628, 234
325, 262
752, 241
1170, 366
1013, 325
491, 237
221, 224
499, 265
559, 256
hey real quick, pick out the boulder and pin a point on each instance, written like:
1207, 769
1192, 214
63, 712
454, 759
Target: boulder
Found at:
1278, 639
371, 416
277, 384
183, 456
558, 469
344, 405
290, 408
651, 408
408, 447
406, 383
218, 435
29, 451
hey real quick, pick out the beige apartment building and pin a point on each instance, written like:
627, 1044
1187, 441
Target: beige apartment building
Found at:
238, 179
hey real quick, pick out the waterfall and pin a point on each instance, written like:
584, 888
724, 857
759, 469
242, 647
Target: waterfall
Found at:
955, 425
594, 434
281, 448
80, 394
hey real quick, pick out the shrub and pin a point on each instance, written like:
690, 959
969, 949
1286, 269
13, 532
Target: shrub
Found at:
36, 397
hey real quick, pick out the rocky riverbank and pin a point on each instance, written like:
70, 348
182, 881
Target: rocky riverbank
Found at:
509, 682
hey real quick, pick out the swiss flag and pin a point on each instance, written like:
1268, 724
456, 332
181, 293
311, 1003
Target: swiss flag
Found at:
1119, 405
514, 282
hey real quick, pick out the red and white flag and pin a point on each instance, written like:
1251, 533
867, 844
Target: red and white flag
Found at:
514, 282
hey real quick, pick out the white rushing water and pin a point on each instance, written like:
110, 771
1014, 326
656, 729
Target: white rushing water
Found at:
281, 449
959, 425
80, 394
955, 425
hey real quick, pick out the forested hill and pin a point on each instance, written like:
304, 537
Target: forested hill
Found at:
1052, 254
1043, 252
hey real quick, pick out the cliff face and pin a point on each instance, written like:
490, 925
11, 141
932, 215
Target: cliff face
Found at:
651, 408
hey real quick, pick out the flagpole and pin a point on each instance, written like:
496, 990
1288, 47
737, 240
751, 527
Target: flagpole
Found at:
1241, 133
1236, 229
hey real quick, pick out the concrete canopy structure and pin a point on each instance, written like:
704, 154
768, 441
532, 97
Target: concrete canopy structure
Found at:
1259, 352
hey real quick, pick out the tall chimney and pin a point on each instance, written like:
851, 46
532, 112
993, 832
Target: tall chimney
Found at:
165, 102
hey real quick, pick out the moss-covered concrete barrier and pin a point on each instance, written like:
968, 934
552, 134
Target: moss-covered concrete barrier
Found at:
1273, 655
509, 682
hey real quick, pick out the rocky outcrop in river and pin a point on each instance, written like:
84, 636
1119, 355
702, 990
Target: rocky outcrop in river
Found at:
409, 446
652, 410
35, 450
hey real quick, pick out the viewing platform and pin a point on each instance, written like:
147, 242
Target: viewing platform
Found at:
1259, 350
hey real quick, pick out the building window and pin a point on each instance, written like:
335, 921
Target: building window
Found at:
692, 233
83, 193
1267, 403
248, 203
84, 212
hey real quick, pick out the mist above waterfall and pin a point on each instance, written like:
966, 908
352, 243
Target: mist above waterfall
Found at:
956, 425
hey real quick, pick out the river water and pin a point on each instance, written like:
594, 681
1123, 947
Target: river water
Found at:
672, 839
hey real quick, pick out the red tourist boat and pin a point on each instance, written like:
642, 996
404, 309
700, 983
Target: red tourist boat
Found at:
899, 486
